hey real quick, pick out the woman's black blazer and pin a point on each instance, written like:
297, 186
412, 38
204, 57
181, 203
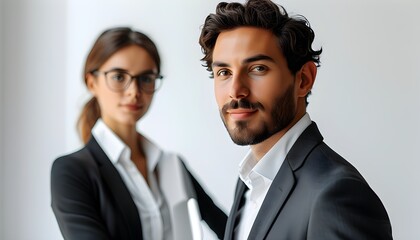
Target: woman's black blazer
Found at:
91, 201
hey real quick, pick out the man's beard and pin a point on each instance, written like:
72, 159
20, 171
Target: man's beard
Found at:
283, 113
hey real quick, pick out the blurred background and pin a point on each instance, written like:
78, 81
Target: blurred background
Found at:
365, 100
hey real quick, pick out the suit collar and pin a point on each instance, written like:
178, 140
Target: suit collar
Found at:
309, 139
119, 191
268, 166
284, 181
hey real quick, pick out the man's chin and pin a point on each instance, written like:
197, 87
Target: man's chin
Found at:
242, 134
241, 142
244, 137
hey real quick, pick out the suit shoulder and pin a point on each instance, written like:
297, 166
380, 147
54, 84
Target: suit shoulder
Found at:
337, 177
329, 164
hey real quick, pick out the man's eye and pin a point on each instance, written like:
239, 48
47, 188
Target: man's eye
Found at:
222, 73
259, 68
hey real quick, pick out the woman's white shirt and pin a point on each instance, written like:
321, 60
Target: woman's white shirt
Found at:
153, 210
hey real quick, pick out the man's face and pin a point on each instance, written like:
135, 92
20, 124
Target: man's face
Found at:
254, 88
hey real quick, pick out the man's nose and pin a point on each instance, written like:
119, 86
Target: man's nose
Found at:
239, 87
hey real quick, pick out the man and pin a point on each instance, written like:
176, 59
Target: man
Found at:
292, 185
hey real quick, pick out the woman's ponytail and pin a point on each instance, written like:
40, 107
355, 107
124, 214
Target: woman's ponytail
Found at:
87, 119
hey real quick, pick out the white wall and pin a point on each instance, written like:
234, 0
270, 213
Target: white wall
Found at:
33, 117
1, 118
365, 100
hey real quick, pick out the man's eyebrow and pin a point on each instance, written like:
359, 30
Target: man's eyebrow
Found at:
245, 61
219, 64
258, 58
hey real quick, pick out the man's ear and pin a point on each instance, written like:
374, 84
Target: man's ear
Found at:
307, 77
91, 83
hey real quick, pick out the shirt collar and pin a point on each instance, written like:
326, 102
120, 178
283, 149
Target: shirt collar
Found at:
270, 163
153, 153
116, 149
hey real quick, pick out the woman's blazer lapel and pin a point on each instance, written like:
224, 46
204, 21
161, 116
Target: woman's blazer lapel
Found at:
119, 191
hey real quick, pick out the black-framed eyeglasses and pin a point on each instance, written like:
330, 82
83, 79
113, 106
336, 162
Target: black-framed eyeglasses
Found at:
119, 80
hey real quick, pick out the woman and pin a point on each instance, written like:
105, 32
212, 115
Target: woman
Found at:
113, 187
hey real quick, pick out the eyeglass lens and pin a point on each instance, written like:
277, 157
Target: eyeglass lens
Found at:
119, 81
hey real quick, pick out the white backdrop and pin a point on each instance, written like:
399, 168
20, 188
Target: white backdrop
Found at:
1, 119
365, 99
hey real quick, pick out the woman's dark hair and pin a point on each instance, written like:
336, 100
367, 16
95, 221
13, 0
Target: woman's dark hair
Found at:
294, 35
109, 42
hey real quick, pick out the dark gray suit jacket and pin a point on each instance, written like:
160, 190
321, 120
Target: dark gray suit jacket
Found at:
91, 201
316, 195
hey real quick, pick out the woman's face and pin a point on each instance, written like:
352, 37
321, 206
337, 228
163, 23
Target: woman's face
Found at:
126, 107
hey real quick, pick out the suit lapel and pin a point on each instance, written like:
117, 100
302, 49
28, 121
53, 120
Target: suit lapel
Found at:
276, 197
119, 191
239, 194
283, 184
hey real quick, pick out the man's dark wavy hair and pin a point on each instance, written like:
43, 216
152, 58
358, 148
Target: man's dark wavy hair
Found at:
294, 34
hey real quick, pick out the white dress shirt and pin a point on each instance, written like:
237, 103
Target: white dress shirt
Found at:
258, 175
153, 210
